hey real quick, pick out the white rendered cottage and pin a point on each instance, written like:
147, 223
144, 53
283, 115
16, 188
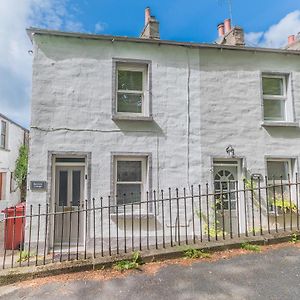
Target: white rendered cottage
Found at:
122, 116
13, 136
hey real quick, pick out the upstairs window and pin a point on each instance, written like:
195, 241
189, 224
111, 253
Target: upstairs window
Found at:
131, 99
3, 135
275, 97
130, 94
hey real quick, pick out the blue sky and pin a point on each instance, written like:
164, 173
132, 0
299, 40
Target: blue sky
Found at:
266, 23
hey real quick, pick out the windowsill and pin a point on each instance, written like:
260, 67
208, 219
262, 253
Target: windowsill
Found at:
132, 118
279, 124
4, 149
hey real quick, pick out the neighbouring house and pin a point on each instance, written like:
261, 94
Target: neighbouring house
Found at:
12, 137
121, 116
293, 42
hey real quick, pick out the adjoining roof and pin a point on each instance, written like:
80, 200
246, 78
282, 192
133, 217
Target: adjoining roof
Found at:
32, 31
13, 122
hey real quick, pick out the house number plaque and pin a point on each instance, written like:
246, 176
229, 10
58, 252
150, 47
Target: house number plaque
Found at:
38, 185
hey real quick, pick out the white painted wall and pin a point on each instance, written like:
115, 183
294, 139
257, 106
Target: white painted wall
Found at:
72, 88
8, 157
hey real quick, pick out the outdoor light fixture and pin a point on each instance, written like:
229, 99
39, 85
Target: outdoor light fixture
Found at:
230, 151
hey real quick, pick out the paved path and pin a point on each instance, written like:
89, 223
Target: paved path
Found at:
273, 274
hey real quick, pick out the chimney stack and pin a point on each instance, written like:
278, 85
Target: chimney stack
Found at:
291, 39
227, 25
221, 29
293, 42
231, 36
151, 29
147, 15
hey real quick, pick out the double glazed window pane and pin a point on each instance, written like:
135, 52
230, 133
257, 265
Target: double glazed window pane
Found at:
273, 86
63, 188
129, 171
130, 80
274, 98
128, 193
274, 110
76, 188
131, 103
276, 169
129, 181
130, 91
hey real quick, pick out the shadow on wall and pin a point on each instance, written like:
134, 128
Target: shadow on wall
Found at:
284, 132
131, 128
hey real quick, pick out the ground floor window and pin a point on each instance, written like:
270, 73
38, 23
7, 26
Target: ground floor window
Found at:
279, 172
130, 179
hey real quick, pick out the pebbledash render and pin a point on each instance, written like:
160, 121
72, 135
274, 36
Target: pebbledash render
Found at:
122, 116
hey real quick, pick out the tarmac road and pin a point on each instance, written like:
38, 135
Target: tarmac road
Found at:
274, 274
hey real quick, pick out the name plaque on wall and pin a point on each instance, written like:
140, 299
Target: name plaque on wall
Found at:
38, 185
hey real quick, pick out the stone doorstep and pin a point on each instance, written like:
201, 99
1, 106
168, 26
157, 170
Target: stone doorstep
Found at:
9, 276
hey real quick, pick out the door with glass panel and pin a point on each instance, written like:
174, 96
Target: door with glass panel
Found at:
225, 180
225, 188
69, 197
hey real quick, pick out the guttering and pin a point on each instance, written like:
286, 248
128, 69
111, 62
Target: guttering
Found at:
13, 122
36, 31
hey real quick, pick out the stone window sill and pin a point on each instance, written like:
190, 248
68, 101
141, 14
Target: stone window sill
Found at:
132, 118
280, 124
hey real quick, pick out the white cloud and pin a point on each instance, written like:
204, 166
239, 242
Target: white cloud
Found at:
276, 36
99, 27
15, 62
253, 38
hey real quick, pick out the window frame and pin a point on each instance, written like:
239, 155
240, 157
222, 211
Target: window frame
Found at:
144, 177
283, 97
5, 134
288, 160
145, 67
132, 68
290, 114
278, 181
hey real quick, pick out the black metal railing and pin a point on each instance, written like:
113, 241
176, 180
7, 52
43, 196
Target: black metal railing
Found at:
42, 234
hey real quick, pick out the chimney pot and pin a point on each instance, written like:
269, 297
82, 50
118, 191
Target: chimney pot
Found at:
291, 39
227, 25
221, 29
147, 15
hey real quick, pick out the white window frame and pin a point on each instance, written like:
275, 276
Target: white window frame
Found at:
5, 134
284, 97
144, 176
134, 67
278, 181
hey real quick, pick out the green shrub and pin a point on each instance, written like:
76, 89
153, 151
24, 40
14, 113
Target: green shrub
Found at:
250, 247
24, 256
134, 263
195, 253
294, 238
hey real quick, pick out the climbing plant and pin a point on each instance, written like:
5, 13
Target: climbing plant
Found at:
20, 173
